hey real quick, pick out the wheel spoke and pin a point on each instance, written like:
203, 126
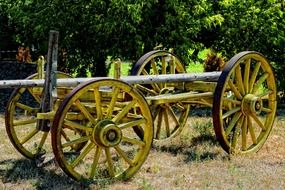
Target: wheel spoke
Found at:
166, 122
113, 102
24, 122
98, 103
37, 98
265, 94
233, 123
29, 136
154, 67
146, 90
27, 108
180, 106
84, 152
75, 125
259, 123
173, 116
246, 75
123, 155
244, 133
132, 124
42, 142
64, 135
172, 64
163, 65
85, 112
110, 162
229, 113
144, 72
251, 130
156, 112
239, 80
253, 76
133, 141
124, 111
75, 141
267, 110
154, 85
234, 89
237, 132
159, 124
259, 83
95, 162
236, 102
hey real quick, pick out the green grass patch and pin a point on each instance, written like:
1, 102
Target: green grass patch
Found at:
194, 68
125, 68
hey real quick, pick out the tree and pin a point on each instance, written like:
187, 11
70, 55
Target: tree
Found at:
253, 25
89, 30
92, 30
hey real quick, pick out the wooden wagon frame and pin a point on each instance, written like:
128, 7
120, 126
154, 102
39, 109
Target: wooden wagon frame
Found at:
104, 127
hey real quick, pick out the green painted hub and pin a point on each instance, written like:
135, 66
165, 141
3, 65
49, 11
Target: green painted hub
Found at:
251, 104
107, 134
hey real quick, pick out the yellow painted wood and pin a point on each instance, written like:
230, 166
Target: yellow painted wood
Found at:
247, 104
21, 119
200, 86
161, 94
48, 115
119, 132
173, 98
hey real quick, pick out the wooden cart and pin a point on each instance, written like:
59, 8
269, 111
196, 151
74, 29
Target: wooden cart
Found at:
104, 127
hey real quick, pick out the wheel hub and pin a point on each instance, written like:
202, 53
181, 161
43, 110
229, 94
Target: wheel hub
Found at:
106, 134
251, 104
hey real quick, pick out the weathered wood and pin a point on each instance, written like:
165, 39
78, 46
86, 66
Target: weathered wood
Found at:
200, 86
49, 91
167, 78
143, 79
172, 98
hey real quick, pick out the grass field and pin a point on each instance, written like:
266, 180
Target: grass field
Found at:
192, 160
126, 67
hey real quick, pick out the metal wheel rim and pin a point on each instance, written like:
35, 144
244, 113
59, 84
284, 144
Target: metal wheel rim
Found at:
22, 142
237, 129
98, 150
165, 113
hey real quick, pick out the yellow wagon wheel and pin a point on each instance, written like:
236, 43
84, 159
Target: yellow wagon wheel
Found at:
244, 105
21, 119
113, 150
169, 118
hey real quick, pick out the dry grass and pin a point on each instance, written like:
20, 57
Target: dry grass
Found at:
193, 160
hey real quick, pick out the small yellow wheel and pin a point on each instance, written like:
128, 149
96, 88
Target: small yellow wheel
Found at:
169, 118
245, 103
112, 150
21, 120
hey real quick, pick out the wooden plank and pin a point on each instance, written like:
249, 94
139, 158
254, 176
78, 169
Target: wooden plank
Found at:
148, 79
172, 98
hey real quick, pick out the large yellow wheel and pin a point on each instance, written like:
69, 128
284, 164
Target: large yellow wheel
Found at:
169, 118
21, 120
244, 105
113, 150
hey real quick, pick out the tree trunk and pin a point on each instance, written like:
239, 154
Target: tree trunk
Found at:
99, 69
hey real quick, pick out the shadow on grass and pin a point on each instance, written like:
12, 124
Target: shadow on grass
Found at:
200, 111
16, 171
281, 110
201, 148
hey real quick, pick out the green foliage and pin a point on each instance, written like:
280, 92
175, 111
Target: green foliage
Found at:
92, 30
253, 25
